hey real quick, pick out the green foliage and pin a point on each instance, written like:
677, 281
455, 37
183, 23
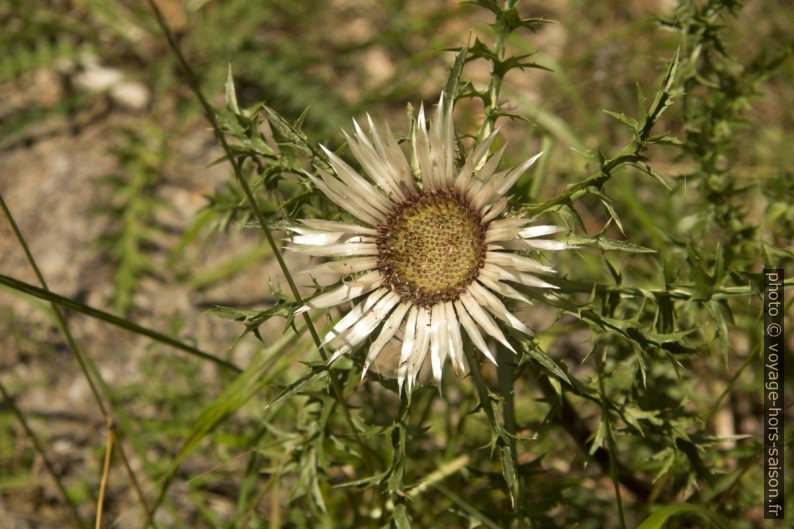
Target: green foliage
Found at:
133, 229
658, 518
37, 36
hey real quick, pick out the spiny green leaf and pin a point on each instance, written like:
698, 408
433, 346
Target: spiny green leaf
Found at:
231, 93
623, 118
317, 374
451, 89
289, 132
490, 5
509, 472
508, 20
545, 361
608, 244
645, 168
400, 517
663, 98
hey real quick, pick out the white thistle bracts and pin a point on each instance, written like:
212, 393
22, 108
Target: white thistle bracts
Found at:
430, 256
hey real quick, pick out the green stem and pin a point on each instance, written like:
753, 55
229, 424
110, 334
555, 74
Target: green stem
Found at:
43, 454
495, 82
482, 388
85, 363
76, 306
613, 470
678, 291
505, 372
504, 441
237, 168
597, 179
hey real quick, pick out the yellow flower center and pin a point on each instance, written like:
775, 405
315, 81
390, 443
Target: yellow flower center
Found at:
431, 247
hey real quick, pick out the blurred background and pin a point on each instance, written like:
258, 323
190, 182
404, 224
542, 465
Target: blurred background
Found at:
107, 165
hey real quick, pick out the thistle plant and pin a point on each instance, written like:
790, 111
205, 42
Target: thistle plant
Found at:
432, 255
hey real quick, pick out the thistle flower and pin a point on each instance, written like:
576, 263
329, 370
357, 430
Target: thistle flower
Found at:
433, 252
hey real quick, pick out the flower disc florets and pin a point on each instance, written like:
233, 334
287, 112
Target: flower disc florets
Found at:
431, 247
